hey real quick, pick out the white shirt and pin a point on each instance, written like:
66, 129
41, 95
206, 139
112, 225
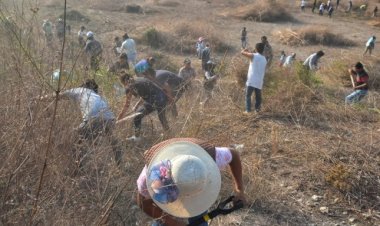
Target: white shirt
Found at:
91, 104
82, 33
289, 61
303, 3
312, 62
128, 46
256, 71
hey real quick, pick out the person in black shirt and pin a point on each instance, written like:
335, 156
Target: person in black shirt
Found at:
152, 98
205, 56
174, 84
94, 50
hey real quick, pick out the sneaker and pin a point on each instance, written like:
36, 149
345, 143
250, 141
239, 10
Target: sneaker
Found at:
247, 112
134, 139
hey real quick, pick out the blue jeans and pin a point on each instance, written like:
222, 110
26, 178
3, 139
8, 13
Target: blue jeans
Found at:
356, 96
248, 95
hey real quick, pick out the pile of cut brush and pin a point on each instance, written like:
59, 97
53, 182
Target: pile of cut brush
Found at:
312, 35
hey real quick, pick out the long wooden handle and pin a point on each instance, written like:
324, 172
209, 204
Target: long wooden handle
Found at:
128, 117
352, 81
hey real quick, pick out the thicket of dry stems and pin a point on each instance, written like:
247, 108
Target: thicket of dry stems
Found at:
305, 139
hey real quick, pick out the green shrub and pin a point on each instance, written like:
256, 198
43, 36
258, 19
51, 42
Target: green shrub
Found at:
306, 76
152, 38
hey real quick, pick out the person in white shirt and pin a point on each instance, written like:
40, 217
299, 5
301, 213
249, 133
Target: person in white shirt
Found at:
289, 60
255, 77
129, 47
303, 3
311, 62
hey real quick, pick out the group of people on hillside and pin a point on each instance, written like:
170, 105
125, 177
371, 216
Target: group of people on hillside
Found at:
329, 7
59, 28
181, 176
158, 90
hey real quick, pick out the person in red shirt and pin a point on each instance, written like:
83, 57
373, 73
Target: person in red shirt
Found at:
359, 79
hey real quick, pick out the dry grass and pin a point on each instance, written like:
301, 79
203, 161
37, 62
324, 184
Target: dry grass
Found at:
375, 23
312, 36
262, 11
239, 70
188, 33
304, 142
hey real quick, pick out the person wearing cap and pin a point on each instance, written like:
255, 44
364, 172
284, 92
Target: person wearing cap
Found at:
205, 56
187, 72
311, 63
359, 78
255, 76
181, 179
200, 45
82, 36
152, 98
120, 65
47, 28
370, 45
289, 60
94, 50
174, 84
129, 47
268, 52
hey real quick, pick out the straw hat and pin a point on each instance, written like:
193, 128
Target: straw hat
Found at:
194, 179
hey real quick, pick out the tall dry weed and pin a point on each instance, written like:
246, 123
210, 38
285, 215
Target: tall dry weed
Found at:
312, 35
262, 11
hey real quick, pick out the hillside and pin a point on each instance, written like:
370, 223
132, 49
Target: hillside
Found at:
308, 158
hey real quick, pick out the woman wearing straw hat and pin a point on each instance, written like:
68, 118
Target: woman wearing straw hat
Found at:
181, 179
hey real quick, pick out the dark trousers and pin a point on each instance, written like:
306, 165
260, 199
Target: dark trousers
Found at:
147, 108
248, 95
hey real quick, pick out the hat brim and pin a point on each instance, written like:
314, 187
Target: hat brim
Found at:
189, 206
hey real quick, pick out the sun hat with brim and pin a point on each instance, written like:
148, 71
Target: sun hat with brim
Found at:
193, 184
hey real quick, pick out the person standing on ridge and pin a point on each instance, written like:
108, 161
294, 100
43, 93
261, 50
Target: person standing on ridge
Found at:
255, 77
244, 38
94, 50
